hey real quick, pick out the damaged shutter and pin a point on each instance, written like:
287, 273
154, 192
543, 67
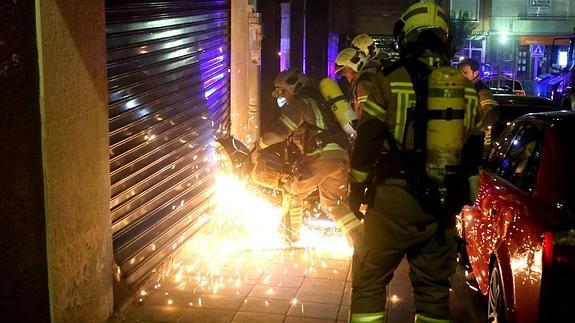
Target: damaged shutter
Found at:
168, 92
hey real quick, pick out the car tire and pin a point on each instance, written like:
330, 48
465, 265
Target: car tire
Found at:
495, 300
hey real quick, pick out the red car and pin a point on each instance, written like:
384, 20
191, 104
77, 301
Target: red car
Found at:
520, 232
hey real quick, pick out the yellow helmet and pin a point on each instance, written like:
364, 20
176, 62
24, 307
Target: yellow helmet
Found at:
352, 58
291, 81
366, 44
424, 15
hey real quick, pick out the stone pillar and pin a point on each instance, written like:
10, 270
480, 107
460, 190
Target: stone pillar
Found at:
239, 98
59, 232
75, 145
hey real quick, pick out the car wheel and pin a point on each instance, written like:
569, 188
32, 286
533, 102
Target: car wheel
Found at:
495, 302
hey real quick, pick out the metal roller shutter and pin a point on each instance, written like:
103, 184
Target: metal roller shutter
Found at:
168, 83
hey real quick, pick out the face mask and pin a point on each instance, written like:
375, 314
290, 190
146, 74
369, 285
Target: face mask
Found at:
281, 101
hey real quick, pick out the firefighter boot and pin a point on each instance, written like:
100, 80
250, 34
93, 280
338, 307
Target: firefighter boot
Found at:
292, 217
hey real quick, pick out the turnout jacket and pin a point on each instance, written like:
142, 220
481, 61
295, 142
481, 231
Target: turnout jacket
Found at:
360, 88
488, 107
387, 105
304, 116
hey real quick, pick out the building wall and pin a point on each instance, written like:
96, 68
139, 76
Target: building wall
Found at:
376, 18
23, 268
73, 105
520, 17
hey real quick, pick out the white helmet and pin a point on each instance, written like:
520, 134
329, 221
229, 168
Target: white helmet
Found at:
366, 44
291, 81
352, 58
424, 15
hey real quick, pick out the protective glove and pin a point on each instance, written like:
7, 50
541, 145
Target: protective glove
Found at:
359, 193
255, 154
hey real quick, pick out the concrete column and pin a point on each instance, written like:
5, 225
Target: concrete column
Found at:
71, 40
239, 69
254, 76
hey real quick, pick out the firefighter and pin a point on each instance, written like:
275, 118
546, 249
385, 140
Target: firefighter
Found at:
351, 63
480, 141
376, 58
325, 161
408, 212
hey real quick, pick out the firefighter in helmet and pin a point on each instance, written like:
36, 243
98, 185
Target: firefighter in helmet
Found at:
351, 63
407, 213
376, 58
480, 141
325, 161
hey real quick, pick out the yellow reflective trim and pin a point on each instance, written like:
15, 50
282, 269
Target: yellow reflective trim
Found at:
404, 92
401, 84
288, 123
367, 317
362, 98
261, 143
328, 147
319, 122
345, 219
420, 318
488, 101
357, 176
350, 225
374, 110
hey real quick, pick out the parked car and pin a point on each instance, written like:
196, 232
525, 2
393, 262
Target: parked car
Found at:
520, 231
513, 106
504, 85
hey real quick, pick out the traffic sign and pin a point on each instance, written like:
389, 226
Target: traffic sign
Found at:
537, 50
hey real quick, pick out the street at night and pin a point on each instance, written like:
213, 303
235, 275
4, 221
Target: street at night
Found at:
358, 161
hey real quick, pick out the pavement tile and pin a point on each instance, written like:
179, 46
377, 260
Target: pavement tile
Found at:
400, 316
328, 273
265, 305
319, 296
294, 319
207, 315
156, 313
281, 280
217, 301
245, 317
263, 291
346, 300
321, 283
401, 298
343, 314
348, 287
314, 310
291, 269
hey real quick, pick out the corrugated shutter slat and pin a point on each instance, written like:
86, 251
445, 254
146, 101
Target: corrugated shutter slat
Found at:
168, 90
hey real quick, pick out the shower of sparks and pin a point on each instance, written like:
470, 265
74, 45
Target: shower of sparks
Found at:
242, 241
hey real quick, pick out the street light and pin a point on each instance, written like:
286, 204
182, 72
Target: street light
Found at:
503, 37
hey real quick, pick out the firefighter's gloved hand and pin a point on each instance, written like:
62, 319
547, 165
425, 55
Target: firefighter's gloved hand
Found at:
255, 154
359, 193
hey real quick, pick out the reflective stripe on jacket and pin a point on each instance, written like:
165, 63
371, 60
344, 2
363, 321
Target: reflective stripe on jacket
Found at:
391, 96
303, 113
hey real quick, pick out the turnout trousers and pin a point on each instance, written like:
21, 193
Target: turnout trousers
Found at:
330, 176
396, 227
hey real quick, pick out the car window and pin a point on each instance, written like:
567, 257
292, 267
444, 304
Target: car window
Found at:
566, 136
521, 162
499, 148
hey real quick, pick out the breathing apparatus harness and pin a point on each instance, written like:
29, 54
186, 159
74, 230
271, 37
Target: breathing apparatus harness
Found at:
322, 137
398, 162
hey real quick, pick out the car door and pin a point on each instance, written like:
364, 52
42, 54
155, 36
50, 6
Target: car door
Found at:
507, 180
480, 218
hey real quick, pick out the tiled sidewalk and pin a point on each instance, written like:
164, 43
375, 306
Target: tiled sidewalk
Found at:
281, 286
